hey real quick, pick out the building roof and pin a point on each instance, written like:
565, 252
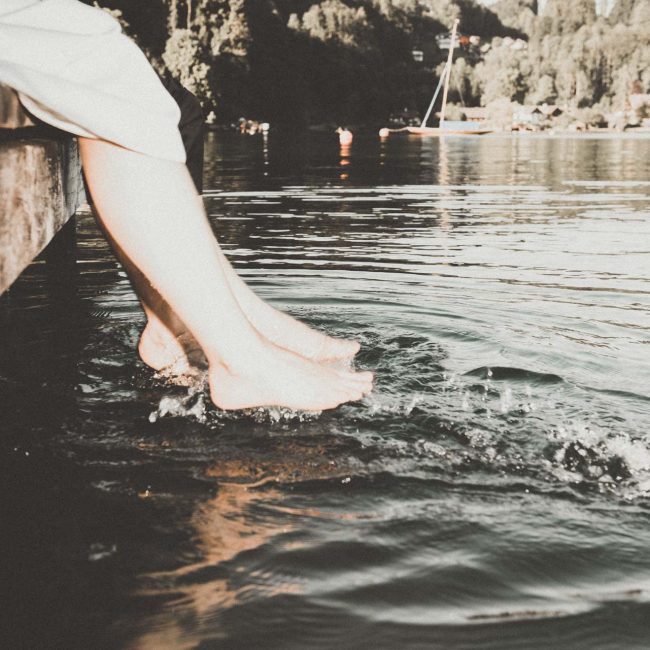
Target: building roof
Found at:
550, 109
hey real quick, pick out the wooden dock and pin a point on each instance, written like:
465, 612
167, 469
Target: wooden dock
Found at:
41, 186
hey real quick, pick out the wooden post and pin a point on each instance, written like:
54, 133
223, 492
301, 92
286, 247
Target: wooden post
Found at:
40, 187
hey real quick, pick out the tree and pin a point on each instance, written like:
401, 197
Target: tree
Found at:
351, 60
186, 59
334, 21
232, 36
641, 15
568, 17
501, 75
544, 92
517, 14
622, 12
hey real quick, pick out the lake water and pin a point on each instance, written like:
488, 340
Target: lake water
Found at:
492, 492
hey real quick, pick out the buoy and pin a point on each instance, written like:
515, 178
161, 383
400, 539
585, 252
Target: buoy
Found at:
384, 133
345, 136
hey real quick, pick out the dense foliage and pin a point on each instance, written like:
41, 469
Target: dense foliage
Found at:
352, 60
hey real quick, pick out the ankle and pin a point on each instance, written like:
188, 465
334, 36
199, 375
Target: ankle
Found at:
232, 354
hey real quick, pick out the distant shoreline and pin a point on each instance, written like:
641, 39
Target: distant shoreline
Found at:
365, 130
571, 133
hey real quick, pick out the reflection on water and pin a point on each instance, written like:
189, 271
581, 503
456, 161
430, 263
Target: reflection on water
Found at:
345, 161
492, 492
225, 527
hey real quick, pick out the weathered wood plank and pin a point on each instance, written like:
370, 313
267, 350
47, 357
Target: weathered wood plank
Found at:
40, 189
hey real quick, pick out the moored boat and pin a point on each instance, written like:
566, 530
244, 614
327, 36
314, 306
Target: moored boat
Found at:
456, 127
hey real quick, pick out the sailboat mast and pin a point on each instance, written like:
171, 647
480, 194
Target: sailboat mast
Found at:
448, 68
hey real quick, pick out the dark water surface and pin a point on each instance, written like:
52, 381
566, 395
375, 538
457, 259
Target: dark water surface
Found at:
494, 490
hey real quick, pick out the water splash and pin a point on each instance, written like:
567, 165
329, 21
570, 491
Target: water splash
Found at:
192, 405
196, 405
614, 462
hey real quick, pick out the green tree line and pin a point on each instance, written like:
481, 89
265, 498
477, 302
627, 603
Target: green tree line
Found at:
308, 61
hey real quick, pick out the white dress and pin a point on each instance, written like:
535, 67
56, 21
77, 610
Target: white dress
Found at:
74, 68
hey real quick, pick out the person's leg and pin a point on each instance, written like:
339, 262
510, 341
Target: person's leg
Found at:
165, 341
281, 328
151, 210
164, 346
167, 344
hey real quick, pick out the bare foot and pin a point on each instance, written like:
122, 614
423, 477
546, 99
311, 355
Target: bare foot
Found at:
291, 334
161, 350
271, 376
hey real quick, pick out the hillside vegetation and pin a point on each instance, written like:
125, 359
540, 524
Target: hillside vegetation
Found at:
302, 61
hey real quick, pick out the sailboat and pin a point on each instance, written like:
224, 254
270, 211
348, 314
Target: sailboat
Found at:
445, 128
